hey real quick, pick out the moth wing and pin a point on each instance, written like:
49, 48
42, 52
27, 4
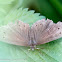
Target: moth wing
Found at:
45, 31
15, 33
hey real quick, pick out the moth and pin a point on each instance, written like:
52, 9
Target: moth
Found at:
41, 32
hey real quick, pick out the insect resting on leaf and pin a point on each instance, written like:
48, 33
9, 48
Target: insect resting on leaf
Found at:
41, 32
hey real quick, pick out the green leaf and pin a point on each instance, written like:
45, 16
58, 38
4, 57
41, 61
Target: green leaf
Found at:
21, 14
5, 1
50, 52
7, 5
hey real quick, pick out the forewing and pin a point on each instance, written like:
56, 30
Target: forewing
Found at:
46, 31
15, 33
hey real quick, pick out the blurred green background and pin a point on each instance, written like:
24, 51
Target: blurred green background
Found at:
51, 9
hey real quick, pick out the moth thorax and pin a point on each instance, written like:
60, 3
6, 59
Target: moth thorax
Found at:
32, 42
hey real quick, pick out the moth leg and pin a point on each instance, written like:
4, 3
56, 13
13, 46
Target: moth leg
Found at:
29, 50
37, 48
33, 47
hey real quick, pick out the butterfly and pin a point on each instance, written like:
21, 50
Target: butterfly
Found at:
41, 32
